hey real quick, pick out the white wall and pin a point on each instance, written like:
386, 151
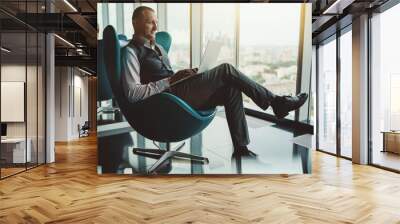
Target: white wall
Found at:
12, 73
61, 103
80, 83
33, 126
70, 83
16, 73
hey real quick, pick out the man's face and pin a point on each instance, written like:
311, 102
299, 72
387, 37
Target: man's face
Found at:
146, 25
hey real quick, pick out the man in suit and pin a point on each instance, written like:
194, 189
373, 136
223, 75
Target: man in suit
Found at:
146, 71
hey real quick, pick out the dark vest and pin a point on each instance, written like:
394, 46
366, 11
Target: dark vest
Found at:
152, 66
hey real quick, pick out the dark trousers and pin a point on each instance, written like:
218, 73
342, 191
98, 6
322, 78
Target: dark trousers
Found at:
223, 86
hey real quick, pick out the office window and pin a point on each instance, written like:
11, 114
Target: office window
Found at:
254, 40
128, 27
327, 96
394, 101
385, 86
100, 21
346, 94
151, 5
178, 26
268, 46
223, 30
112, 14
312, 111
41, 87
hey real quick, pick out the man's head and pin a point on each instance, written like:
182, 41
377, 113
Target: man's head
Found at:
145, 22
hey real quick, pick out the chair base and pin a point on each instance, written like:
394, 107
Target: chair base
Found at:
165, 155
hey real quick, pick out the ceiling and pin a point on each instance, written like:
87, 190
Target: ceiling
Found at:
77, 25
332, 15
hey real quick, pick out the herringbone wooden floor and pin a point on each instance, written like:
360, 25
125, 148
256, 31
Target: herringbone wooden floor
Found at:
70, 191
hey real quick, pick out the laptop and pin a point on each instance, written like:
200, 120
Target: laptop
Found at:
210, 55
209, 59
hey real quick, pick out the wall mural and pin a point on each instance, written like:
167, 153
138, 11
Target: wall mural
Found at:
157, 116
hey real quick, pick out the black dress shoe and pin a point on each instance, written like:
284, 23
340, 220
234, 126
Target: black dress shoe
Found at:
243, 152
282, 105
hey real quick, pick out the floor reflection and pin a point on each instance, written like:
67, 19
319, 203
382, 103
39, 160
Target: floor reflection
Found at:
275, 148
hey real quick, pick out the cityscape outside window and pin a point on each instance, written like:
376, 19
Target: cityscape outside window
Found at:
268, 47
223, 30
179, 28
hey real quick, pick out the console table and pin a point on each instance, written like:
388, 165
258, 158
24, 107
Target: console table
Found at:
391, 141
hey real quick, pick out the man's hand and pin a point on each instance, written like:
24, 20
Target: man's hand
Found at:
181, 74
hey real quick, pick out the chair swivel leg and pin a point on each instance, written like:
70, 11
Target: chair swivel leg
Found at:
167, 155
190, 156
152, 153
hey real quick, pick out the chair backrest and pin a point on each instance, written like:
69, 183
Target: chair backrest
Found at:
104, 90
112, 63
112, 59
164, 39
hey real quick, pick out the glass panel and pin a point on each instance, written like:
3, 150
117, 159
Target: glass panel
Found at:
346, 94
112, 14
269, 46
31, 90
13, 86
223, 30
313, 86
385, 84
41, 99
128, 12
327, 97
31, 98
151, 5
100, 22
120, 18
178, 26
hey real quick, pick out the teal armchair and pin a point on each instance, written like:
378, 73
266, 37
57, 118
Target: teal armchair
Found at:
163, 117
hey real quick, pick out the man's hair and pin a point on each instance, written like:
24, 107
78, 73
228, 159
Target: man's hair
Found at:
139, 12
